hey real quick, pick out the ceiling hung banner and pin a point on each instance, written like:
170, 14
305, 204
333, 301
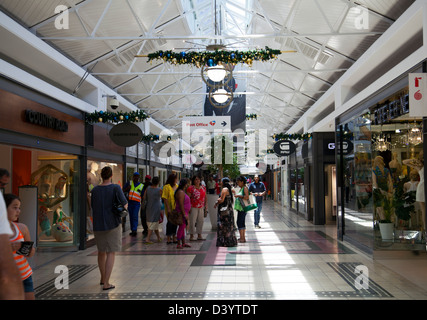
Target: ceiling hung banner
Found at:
236, 109
418, 94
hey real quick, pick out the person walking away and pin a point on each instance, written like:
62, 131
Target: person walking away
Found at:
226, 230
183, 205
241, 214
153, 195
197, 194
168, 195
257, 188
134, 187
20, 234
147, 183
106, 225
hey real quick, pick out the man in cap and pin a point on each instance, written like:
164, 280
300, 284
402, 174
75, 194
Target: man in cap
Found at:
257, 188
134, 188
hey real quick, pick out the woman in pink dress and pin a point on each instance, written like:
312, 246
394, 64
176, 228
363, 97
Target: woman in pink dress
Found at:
183, 205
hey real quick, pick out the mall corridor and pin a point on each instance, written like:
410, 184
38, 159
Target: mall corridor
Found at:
288, 258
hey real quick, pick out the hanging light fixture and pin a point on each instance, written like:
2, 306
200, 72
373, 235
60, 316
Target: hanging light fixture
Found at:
221, 96
415, 135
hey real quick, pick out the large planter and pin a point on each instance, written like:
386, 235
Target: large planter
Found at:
386, 230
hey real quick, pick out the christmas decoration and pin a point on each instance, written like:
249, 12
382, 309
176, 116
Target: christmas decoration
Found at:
115, 117
213, 58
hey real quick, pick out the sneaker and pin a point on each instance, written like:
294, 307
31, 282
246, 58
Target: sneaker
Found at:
258, 226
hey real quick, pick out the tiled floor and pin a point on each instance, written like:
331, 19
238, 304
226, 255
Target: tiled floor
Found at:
289, 258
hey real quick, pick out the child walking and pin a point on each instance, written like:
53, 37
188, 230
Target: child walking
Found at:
20, 234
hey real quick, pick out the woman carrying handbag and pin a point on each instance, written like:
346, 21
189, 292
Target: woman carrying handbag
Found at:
241, 214
107, 225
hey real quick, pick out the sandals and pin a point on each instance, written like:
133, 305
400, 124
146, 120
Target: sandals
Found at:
109, 288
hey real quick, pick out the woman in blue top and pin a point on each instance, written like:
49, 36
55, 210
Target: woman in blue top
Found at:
106, 225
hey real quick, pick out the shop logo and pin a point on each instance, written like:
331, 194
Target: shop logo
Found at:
212, 123
62, 21
45, 120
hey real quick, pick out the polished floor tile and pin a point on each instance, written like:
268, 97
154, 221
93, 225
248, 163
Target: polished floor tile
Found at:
288, 258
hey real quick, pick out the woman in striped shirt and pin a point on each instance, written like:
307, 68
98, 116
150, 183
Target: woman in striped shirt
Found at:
20, 234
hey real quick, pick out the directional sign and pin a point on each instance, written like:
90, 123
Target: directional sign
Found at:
208, 123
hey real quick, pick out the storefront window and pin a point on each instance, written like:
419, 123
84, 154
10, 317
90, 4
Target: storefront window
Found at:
293, 185
302, 201
357, 180
382, 160
56, 177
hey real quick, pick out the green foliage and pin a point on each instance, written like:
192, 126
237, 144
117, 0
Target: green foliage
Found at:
213, 58
403, 202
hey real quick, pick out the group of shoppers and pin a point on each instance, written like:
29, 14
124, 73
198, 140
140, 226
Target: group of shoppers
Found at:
226, 206
188, 197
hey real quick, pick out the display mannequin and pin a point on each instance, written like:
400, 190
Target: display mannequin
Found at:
395, 168
418, 164
92, 178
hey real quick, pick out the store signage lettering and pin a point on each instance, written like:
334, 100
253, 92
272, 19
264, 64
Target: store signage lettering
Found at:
126, 134
45, 120
390, 110
284, 148
417, 94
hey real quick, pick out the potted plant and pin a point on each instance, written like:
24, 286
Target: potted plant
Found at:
384, 208
403, 202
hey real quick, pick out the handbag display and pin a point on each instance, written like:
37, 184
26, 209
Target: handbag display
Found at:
118, 208
248, 205
175, 217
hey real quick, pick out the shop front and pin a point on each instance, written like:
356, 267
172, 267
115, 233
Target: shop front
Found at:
380, 173
41, 145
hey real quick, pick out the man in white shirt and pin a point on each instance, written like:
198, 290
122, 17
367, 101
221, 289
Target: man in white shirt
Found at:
11, 287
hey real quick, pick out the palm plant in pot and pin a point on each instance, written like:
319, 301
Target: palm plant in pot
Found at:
384, 208
403, 202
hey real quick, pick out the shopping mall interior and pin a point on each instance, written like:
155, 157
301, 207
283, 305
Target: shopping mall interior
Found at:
322, 100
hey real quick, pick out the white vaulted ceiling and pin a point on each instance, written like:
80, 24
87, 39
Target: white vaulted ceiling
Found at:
105, 35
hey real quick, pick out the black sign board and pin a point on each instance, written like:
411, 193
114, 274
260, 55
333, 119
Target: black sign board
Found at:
284, 148
126, 134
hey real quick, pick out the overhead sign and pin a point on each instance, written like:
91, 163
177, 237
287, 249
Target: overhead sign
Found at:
417, 94
126, 134
208, 123
284, 148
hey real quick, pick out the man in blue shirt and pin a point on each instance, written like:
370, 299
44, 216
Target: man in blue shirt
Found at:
257, 188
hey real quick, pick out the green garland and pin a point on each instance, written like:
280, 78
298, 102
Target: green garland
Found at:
149, 137
292, 136
115, 117
213, 58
